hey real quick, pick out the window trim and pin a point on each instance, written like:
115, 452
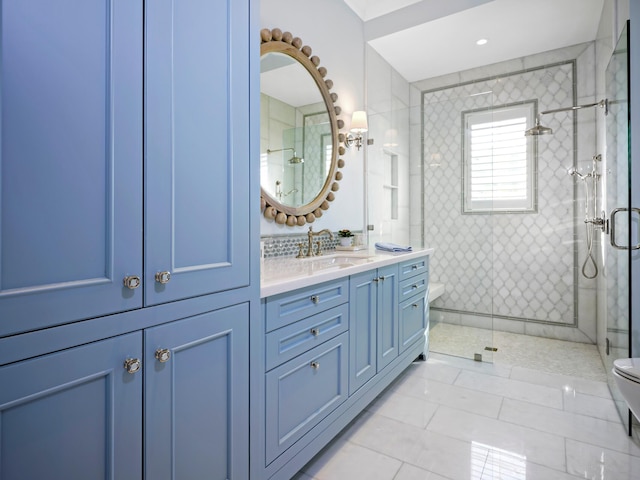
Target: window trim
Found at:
496, 206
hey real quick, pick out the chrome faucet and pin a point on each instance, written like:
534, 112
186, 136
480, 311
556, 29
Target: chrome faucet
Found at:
310, 235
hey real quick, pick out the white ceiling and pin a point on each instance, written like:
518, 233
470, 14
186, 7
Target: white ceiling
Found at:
427, 38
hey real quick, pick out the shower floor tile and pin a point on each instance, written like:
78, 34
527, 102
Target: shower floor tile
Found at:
542, 354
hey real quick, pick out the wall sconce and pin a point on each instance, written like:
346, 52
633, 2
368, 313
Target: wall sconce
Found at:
358, 127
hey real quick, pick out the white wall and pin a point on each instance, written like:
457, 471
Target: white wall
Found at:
388, 101
335, 35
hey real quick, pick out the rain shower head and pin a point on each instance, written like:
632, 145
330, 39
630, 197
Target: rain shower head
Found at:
295, 160
537, 130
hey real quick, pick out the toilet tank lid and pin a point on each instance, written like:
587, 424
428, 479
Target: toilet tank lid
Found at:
629, 366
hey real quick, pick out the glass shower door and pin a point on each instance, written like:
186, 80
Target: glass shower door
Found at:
616, 250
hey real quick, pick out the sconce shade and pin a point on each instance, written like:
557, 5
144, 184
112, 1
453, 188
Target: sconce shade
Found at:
359, 122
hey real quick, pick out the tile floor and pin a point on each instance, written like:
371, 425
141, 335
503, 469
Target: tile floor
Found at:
452, 418
543, 354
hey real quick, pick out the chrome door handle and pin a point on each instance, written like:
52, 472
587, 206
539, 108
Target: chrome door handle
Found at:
612, 226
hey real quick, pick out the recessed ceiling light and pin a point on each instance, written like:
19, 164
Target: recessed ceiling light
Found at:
482, 41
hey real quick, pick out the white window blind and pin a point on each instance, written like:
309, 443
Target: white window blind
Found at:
498, 163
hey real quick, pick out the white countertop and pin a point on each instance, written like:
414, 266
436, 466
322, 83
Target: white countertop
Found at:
283, 274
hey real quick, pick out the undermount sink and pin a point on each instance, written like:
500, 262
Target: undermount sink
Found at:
335, 261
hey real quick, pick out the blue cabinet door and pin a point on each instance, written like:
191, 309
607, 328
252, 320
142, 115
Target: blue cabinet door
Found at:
196, 397
70, 160
73, 414
196, 147
362, 328
387, 315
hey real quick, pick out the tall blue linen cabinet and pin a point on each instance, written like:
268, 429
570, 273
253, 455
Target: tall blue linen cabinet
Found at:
127, 200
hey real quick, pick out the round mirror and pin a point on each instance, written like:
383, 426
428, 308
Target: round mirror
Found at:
299, 132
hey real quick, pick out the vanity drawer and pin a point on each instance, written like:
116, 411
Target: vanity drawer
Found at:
414, 267
413, 321
303, 391
290, 341
414, 286
290, 307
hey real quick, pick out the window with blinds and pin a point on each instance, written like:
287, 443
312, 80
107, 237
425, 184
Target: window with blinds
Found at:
499, 173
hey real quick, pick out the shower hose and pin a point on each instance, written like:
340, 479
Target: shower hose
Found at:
589, 226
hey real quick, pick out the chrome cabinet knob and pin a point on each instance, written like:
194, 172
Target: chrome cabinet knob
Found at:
315, 365
315, 332
315, 299
163, 355
131, 282
132, 365
163, 277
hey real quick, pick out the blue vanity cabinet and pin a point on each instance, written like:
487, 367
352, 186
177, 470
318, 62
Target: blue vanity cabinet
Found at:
373, 327
414, 301
71, 160
196, 396
362, 328
387, 316
325, 352
196, 148
73, 414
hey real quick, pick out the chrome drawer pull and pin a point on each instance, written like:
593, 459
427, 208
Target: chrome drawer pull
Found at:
315, 365
415, 305
414, 267
413, 287
315, 332
315, 299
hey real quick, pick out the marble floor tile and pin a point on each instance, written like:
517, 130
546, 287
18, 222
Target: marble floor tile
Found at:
532, 445
519, 390
436, 369
389, 437
455, 396
598, 463
567, 424
409, 472
500, 370
348, 460
404, 408
591, 406
438, 422
581, 385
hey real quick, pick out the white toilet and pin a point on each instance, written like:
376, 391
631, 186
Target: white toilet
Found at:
626, 373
